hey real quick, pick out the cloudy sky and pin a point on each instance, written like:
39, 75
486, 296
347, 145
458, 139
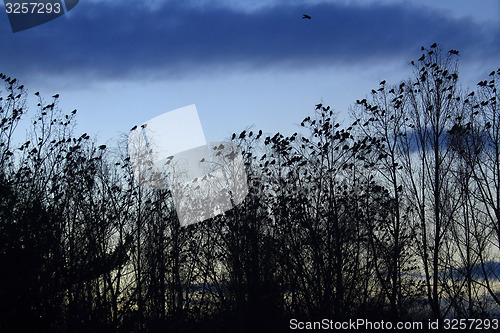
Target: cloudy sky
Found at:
123, 62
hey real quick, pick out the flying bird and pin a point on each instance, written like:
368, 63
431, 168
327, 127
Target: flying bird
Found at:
306, 17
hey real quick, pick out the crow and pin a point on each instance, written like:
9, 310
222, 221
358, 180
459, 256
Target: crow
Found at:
434, 45
133, 128
383, 82
453, 52
306, 17
37, 93
73, 112
144, 126
102, 147
422, 57
56, 96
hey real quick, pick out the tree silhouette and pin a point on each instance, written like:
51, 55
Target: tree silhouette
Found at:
395, 217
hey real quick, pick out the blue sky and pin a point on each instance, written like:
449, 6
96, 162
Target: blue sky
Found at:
123, 62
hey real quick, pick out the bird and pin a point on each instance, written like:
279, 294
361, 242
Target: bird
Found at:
434, 45
318, 106
48, 106
102, 147
73, 112
382, 83
306, 17
492, 73
56, 96
133, 128
37, 93
453, 52
144, 125
422, 57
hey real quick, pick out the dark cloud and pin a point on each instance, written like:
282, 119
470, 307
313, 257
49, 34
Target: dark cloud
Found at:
115, 41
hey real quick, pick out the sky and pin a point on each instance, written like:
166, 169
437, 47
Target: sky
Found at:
242, 63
